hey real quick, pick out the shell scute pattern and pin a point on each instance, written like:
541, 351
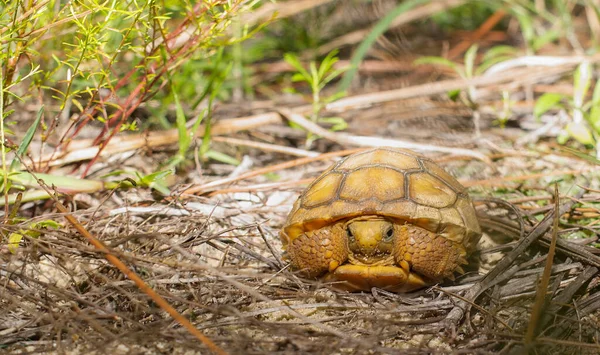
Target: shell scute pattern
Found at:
366, 183
395, 158
395, 183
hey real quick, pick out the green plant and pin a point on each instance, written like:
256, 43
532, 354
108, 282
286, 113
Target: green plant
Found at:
468, 70
318, 78
465, 71
584, 124
503, 115
95, 60
544, 22
33, 230
534, 35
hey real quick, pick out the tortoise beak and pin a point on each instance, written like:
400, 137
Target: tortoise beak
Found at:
368, 242
366, 237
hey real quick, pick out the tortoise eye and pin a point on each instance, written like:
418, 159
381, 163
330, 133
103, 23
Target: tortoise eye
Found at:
349, 233
389, 234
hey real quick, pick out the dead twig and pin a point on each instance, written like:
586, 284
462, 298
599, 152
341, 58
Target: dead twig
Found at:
266, 146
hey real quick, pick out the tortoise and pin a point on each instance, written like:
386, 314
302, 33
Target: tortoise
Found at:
387, 218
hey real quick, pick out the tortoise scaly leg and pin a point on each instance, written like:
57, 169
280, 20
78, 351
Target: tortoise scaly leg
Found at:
426, 253
317, 252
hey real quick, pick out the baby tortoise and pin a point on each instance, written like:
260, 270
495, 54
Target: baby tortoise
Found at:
386, 218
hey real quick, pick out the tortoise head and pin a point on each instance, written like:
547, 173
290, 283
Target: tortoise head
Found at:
370, 238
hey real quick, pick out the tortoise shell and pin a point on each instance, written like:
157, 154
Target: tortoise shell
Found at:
394, 183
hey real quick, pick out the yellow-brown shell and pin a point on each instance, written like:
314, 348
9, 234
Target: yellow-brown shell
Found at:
396, 183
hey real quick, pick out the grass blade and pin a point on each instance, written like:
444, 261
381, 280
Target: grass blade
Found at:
27, 139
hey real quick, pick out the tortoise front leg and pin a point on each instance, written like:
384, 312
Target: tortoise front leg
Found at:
317, 252
427, 253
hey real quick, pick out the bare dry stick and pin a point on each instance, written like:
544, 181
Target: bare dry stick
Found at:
267, 146
364, 141
539, 61
262, 187
409, 16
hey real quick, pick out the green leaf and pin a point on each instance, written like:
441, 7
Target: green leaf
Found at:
332, 75
327, 63
293, 60
594, 116
64, 184
180, 121
337, 123
14, 165
497, 51
438, 61
580, 132
581, 155
485, 65
222, 157
314, 77
526, 26
334, 97
297, 77
160, 187
199, 120
470, 56
546, 102
46, 224
547, 37
454, 94
150, 178
563, 137
156, 181
582, 80
14, 240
